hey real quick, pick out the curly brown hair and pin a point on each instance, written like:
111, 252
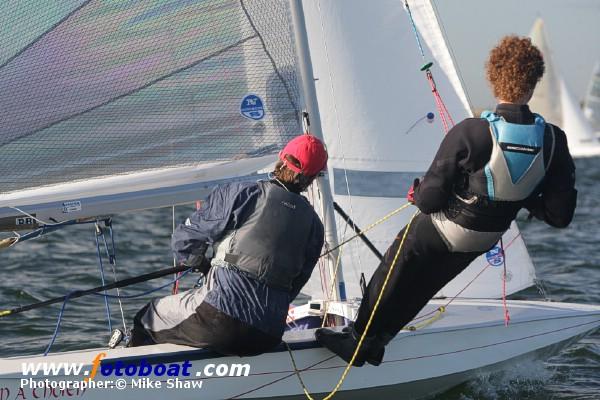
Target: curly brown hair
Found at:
514, 67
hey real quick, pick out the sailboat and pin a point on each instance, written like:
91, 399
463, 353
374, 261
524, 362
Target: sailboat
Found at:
591, 105
553, 99
349, 72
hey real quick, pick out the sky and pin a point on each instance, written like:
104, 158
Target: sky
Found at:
473, 27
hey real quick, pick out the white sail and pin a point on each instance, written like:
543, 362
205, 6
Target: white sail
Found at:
95, 95
553, 100
591, 106
374, 100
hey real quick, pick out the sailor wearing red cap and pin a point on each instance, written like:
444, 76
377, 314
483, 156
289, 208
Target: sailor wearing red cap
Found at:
265, 239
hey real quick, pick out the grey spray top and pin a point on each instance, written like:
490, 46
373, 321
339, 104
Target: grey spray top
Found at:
271, 242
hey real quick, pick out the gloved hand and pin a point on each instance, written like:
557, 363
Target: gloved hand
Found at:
410, 196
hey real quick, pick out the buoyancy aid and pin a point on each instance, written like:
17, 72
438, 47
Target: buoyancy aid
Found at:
270, 244
484, 205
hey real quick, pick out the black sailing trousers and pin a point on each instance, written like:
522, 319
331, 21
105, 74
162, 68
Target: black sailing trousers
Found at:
424, 266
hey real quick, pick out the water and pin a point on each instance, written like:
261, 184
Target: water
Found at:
567, 261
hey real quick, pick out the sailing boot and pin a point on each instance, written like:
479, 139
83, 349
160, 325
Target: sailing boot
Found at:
377, 350
344, 343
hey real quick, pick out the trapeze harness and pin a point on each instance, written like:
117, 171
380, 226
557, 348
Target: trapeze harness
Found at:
482, 209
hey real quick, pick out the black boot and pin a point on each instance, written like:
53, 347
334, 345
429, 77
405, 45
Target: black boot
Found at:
344, 344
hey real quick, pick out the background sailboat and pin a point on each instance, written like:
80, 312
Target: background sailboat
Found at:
553, 100
591, 105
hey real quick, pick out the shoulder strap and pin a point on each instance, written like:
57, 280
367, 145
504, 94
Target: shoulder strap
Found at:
490, 116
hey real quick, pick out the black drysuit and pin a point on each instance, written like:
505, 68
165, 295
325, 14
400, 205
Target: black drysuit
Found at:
425, 264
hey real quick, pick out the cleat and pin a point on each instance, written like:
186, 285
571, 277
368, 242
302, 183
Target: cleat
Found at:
115, 338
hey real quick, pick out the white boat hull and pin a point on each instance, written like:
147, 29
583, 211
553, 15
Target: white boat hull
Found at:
470, 337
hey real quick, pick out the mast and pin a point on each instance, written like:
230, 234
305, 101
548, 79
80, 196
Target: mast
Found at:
310, 100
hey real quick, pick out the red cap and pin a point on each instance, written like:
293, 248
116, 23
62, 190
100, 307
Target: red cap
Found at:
307, 149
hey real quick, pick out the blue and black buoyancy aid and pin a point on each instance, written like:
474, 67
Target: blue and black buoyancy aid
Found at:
493, 195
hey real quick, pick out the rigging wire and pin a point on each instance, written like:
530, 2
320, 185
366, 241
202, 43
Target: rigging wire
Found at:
445, 116
337, 121
176, 283
35, 218
112, 259
98, 232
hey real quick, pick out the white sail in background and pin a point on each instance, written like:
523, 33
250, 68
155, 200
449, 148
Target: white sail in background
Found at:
546, 98
374, 100
553, 100
591, 106
103, 102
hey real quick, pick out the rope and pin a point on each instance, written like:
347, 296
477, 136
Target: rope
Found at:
368, 228
112, 260
110, 296
337, 122
364, 334
445, 116
468, 284
176, 284
339, 257
337, 265
34, 218
504, 306
440, 310
414, 27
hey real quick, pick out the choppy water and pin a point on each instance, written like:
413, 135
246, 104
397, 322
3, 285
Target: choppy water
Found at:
567, 261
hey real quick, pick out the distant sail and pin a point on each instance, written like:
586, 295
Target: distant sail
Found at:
553, 100
591, 106
107, 94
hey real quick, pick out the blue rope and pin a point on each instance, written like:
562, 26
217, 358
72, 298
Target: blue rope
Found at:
57, 327
101, 264
62, 309
114, 249
414, 27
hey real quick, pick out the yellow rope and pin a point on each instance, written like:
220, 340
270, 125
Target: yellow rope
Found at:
427, 322
335, 272
364, 334
337, 263
368, 228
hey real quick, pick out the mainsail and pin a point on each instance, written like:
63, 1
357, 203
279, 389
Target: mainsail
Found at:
553, 100
118, 105
374, 102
